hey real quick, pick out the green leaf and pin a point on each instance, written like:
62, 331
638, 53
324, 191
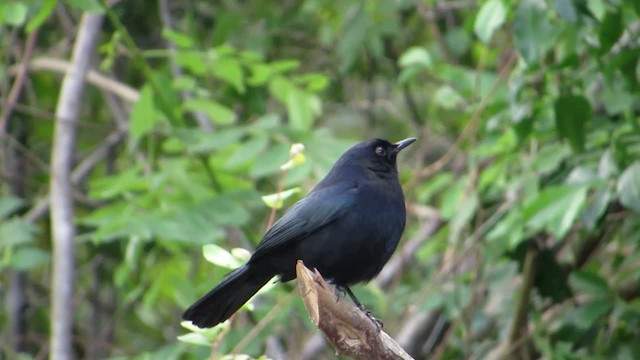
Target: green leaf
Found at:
312, 82
196, 339
275, 201
597, 8
507, 233
179, 39
434, 186
588, 314
458, 40
591, 283
356, 31
299, 110
210, 333
17, 231
617, 101
452, 197
260, 74
283, 66
218, 113
13, 13
572, 114
143, 115
555, 209
41, 16
607, 166
491, 16
192, 61
85, 5
434, 300
447, 97
597, 207
249, 150
27, 258
532, 30
271, 160
566, 9
611, 29
185, 82
463, 216
415, 56
9, 205
280, 87
230, 71
629, 187
219, 256
126, 181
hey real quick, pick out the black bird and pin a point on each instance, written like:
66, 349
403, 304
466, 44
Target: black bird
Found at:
347, 227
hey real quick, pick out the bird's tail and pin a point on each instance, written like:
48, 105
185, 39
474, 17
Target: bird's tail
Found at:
225, 299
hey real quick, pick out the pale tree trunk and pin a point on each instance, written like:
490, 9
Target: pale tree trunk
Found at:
62, 211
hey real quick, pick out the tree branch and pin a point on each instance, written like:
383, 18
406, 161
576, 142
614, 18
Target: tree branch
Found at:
519, 320
92, 76
349, 330
16, 89
79, 173
62, 211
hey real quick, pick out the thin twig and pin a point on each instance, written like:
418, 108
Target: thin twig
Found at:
92, 76
522, 308
263, 323
79, 173
471, 125
16, 89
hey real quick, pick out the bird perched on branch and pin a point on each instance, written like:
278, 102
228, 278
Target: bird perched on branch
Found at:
347, 227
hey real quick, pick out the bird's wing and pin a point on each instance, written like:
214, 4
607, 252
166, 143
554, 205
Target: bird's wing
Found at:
306, 217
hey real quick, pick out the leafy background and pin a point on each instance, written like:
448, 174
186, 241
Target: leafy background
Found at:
523, 191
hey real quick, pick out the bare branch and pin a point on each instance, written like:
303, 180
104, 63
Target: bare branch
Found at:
62, 211
348, 329
92, 76
79, 173
16, 89
396, 265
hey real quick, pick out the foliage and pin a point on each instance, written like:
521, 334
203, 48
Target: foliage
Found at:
527, 115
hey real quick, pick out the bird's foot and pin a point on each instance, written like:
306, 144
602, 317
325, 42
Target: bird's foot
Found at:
339, 290
377, 322
344, 291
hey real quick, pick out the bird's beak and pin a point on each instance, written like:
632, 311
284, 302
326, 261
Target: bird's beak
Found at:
403, 144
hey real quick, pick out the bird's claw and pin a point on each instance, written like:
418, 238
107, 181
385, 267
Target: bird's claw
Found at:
344, 291
339, 291
377, 322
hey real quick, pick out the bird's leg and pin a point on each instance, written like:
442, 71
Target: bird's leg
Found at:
339, 290
377, 322
345, 290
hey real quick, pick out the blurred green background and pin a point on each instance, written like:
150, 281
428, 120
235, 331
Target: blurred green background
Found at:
523, 190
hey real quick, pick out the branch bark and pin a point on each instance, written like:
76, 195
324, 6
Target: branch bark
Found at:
16, 89
346, 327
391, 271
94, 77
62, 211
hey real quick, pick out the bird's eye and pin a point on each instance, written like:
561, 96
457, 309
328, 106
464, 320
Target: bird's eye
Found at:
380, 151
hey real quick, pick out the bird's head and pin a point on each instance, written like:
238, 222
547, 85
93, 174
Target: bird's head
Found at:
377, 155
